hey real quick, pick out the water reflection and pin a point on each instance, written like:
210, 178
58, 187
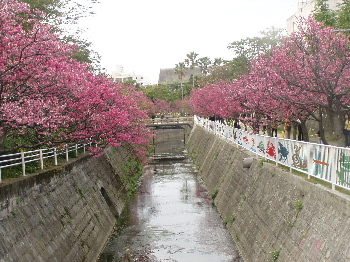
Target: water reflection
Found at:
171, 219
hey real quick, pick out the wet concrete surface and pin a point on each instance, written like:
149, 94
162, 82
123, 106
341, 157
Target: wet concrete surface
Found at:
171, 219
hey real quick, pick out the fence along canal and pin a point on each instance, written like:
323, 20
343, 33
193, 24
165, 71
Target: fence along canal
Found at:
325, 162
171, 217
39, 156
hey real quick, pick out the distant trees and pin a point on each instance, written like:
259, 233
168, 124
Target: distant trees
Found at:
192, 62
248, 49
244, 51
220, 70
180, 72
161, 92
204, 64
251, 48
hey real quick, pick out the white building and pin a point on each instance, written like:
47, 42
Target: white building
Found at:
120, 76
304, 8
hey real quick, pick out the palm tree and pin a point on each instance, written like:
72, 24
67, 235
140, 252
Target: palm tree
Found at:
180, 71
192, 61
204, 63
218, 62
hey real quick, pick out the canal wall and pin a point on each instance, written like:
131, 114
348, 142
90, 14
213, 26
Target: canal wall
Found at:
67, 213
271, 214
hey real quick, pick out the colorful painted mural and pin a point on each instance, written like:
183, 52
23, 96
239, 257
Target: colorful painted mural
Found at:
325, 162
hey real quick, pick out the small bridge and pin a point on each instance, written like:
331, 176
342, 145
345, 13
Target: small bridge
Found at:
184, 123
170, 126
171, 122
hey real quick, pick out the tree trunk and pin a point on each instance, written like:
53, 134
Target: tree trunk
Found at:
3, 135
338, 124
295, 130
269, 130
321, 127
334, 125
304, 130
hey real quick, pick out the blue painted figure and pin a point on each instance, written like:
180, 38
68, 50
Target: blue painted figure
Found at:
283, 152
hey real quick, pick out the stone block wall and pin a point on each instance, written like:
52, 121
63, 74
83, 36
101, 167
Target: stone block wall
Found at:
65, 214
271, 214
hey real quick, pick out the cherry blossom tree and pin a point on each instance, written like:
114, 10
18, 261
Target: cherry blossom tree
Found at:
222, 99
143, 102
161, 106
310, 72
32, 63
183, 106
306, 75
55, 98
243, 99
103, 111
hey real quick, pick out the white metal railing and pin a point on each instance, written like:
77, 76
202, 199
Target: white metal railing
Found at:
328, 163
168, 120
23, 158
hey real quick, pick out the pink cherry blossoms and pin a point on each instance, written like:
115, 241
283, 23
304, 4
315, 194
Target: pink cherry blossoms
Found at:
308, 75
57, 99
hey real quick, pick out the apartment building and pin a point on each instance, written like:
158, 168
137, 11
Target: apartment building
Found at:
120, 76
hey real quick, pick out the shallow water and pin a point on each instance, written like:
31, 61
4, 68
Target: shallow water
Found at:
171, 219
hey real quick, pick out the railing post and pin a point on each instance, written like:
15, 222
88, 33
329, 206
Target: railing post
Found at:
41, 159
276, 150
309, 160
265, 143
67, 158
76, 150
84, 148
55, 155
23, 164
333, 163
0, 175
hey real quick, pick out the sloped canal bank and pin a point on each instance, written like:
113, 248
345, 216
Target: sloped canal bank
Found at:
171, 217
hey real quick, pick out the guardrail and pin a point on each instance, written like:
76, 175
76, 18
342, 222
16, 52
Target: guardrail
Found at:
325, 162
22, 158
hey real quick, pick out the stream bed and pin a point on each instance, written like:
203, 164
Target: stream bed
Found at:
171, 218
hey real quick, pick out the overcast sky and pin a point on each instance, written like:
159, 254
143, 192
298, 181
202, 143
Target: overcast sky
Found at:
146, 35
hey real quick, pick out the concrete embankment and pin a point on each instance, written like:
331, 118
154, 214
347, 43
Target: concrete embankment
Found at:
65, 214
272, 215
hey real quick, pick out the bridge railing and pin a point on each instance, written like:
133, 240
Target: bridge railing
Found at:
325, 162
170, 120
39, 155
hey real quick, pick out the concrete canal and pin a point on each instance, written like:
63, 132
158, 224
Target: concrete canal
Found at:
172, 217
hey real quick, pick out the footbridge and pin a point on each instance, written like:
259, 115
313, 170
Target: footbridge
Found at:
171, 123
159, 125
170, 126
